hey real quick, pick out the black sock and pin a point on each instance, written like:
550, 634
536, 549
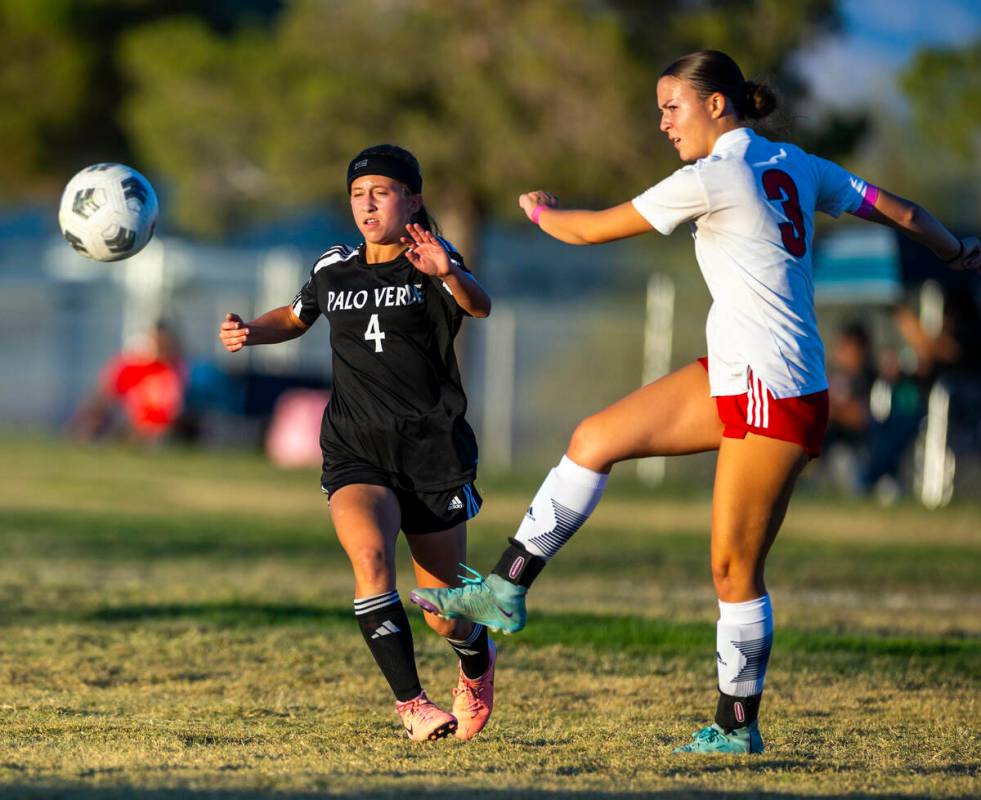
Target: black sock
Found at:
736, 712
386, 631
519, 566
474, 652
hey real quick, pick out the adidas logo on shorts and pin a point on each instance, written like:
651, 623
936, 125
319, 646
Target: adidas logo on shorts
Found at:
455, 504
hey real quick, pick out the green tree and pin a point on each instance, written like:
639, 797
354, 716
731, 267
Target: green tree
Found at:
493, 100
944, 88
42, 89
61, 88
929, 150
494, 96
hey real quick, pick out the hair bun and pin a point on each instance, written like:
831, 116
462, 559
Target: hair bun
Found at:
759, 100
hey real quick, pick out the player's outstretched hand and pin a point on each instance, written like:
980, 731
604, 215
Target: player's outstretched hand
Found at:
971, 257
426, 253
529, 201
233, 333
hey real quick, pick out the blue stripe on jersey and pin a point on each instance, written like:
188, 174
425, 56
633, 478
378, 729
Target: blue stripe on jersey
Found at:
447, 244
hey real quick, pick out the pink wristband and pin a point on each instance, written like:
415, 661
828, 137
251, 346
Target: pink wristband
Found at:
868, 201
536, 212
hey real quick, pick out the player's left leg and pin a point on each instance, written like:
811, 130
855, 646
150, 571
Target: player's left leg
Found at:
436, 558
674, 415
754, 480
366, 519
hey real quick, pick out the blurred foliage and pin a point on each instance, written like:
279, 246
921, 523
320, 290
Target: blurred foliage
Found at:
61, 85
494, 97
929, 150
944, 87
42, 86
762, 36
490, 100
254, 108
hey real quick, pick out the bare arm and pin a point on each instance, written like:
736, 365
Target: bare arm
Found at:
279, 325
583, 227
469, 294
921, 226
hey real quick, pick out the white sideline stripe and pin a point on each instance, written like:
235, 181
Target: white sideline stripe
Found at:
758, 403
766, 405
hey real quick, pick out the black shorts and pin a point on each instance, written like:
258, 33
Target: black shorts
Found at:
422, 512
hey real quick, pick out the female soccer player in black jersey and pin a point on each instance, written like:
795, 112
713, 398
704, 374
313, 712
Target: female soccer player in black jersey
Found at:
398, 452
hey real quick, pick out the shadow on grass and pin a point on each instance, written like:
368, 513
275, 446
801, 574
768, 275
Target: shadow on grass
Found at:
77, 791
599, 632
234, 538
230, 614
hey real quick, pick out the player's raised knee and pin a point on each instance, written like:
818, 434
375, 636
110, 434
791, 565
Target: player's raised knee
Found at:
588, 447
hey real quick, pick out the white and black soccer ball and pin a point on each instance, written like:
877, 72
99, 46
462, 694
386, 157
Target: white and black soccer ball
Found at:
108, 212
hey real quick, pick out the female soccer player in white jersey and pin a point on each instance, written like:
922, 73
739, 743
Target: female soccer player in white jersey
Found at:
759, 398
398, 452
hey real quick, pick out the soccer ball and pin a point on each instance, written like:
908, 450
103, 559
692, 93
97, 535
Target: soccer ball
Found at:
108, 212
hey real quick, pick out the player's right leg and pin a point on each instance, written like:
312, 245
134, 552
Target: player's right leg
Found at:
754, 480
367, 520
674, 415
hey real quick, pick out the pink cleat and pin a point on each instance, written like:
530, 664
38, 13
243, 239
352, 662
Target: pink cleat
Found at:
474, 699
424, 720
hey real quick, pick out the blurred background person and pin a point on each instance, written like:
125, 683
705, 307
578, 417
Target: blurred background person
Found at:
851, 376
140, 393
944, 337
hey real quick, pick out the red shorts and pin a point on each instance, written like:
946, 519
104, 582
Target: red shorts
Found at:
802, 420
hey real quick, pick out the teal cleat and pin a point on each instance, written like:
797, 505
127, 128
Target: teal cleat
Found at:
715, 740
491, 601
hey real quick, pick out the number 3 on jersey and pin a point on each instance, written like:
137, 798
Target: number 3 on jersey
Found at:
778, 185
373, 333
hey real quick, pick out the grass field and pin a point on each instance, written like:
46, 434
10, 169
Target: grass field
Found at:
179, 625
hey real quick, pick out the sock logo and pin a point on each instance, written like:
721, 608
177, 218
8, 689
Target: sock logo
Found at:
757, 653
455, 504
516, 566
718, 657
530, 513
385, 629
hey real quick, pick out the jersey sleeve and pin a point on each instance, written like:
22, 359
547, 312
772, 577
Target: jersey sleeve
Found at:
305, 304
839, 191
679, 198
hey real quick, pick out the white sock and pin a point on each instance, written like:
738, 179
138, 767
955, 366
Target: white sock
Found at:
563, 503
744, 635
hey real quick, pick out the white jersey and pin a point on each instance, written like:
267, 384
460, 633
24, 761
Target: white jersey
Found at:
750, 206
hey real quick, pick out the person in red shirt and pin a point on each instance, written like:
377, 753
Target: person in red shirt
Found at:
140, 392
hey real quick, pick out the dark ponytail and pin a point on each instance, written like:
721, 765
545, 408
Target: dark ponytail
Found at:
426, 220
759, 100
711, 71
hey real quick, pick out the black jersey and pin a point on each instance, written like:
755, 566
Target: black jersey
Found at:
398, 402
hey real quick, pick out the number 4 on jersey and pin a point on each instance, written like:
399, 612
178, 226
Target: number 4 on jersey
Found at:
374, 334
